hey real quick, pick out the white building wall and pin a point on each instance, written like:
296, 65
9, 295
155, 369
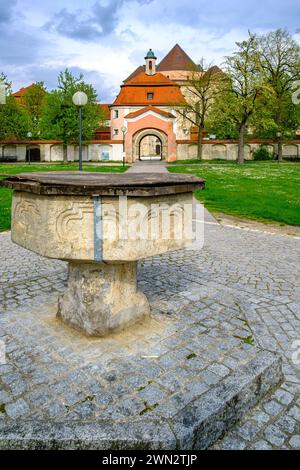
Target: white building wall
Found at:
56, 153
21, 152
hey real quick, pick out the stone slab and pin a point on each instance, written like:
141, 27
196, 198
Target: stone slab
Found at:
234, 279
199, 424
108, 184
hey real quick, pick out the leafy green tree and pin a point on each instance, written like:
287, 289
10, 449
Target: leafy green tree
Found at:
221, 120
32, 102
200, 90
60, 115
264, 123
14, 120
279, 57
237, 103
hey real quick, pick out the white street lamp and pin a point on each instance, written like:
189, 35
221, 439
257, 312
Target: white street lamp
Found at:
80, 99
29, 135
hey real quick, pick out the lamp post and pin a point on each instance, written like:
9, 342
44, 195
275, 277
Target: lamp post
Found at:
29, 135
123, 129
80, 99
279, 151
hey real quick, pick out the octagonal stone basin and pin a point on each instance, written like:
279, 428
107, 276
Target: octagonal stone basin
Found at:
102, 224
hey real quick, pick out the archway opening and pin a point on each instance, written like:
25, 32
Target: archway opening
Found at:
33, 154
150, 147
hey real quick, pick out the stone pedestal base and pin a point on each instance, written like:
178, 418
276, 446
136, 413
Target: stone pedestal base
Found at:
102, 298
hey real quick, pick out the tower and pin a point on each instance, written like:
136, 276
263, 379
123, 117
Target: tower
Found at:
150, 63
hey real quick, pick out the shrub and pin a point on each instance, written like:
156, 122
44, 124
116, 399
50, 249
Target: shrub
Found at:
262, 153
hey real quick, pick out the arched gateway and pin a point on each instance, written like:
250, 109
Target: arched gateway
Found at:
149, 144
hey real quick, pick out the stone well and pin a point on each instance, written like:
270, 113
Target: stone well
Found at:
102, 224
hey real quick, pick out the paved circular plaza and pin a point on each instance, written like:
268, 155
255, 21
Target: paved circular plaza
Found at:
239, 293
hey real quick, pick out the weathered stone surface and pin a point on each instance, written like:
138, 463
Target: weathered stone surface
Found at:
153, 435
64, 227
91, 227
234, 279
204, 420
102, 298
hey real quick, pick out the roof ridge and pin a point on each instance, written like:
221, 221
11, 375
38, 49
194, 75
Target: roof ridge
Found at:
148, 79
176, 59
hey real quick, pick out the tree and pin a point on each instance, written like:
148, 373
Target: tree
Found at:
279, 57
60, 115
13, 119
264, 122
200, 91
237, 103
32, 102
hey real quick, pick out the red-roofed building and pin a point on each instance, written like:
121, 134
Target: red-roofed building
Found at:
22, 92
143, 122
144, 112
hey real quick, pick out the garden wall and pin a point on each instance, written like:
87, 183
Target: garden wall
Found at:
227, 150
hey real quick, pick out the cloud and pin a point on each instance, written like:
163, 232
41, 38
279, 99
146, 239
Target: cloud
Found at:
6, 11
19, 48
39, 72
100, 22
108, 39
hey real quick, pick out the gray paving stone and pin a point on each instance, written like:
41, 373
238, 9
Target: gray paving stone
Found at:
286, 424
248, 430
275, 436
295, 442
17, 409
283, 396
294, 412
152, 395
4, 397
272, 407
261, 445
233, 279
232, 443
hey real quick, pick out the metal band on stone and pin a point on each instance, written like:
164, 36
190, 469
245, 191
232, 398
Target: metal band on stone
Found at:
98, 252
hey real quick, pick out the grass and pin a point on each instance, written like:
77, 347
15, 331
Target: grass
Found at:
14, 168
261, 191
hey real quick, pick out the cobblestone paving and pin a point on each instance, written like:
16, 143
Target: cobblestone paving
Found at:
242, 284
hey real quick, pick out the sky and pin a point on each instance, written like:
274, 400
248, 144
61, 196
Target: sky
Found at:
107, 39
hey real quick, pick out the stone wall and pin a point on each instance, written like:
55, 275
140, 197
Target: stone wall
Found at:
53, 152
227, 150
102, 151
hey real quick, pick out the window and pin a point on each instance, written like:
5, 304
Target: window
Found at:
116, 113
150, 96
116, 131
105, 155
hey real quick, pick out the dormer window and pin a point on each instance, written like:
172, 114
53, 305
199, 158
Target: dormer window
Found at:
150, 96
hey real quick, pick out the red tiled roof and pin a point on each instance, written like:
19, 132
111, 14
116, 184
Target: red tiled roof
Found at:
176, 59
214, 69
22, 92
140, 68
134, 91
142, 78
149, 108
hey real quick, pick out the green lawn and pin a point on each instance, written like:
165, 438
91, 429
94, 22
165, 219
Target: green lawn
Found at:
14, 168
257, 190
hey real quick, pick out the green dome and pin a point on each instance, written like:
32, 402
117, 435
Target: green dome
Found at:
150, 54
